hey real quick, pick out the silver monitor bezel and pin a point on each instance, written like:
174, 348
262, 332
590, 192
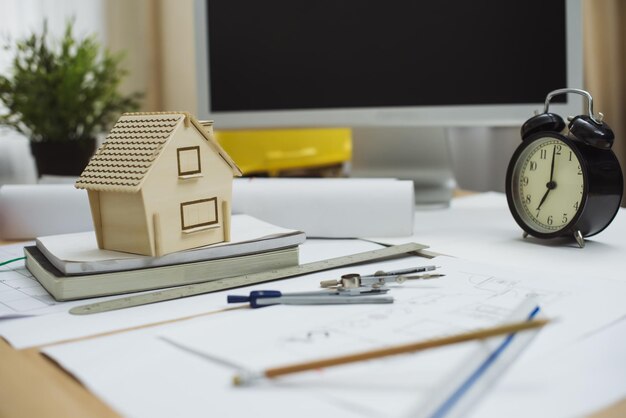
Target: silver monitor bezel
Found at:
447, 116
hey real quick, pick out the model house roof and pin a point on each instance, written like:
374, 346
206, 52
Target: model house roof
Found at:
131, 148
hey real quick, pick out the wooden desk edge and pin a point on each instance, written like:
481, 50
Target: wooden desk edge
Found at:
9, 242
31, 385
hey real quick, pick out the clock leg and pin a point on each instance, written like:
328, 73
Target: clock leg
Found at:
525, 235
579, 239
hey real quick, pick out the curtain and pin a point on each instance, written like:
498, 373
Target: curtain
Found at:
157, 37
605, 64
132, 27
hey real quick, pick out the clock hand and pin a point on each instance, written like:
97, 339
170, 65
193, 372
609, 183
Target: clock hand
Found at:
551, 184
552, 164
543, 199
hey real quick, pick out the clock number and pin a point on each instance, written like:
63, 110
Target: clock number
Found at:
564, 220
550, 220
543, 154
576, 205
527, 199
570, 156
525, 180
558, 149
533, 165
580, 171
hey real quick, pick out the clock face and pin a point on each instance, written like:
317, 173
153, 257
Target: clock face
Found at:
547, 185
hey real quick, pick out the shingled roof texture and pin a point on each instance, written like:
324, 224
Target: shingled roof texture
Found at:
127, 155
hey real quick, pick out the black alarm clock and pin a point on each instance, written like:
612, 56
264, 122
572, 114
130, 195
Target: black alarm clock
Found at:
564, 180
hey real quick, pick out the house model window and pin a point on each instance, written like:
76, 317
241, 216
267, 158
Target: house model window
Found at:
189, 161
199, 214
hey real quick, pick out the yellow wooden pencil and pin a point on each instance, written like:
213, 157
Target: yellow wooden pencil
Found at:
248, 377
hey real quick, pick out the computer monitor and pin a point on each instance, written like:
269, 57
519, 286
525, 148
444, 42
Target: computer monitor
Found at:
374, 64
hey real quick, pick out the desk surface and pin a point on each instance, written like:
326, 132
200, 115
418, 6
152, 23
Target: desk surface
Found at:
33, 385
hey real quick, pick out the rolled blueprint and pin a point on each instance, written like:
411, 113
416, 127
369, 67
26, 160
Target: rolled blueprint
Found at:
332, 208
30, 211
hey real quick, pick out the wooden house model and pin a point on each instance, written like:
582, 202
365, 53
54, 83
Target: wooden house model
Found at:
159, 183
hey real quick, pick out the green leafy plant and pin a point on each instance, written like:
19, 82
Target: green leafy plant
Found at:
63, 91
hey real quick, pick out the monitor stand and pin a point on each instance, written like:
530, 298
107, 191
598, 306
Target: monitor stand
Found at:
420, 154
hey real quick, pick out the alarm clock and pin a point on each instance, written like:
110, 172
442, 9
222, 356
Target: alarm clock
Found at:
564, 180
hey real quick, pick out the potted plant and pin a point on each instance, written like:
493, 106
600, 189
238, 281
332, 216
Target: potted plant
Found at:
61, 95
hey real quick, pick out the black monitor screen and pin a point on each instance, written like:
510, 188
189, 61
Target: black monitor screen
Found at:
286, 54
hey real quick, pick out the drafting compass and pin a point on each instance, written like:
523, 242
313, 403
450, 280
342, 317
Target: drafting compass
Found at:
379, 279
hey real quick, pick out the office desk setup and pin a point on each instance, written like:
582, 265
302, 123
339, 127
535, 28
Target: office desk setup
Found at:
467, 318
160, 360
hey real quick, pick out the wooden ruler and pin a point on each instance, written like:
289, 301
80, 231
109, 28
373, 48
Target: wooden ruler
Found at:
244, 280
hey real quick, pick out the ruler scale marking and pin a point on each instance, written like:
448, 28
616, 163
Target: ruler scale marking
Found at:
244, 280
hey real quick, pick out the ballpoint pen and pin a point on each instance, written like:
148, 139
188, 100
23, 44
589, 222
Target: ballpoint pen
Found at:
261, 298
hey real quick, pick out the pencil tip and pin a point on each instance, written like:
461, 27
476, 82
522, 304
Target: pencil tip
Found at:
246, 377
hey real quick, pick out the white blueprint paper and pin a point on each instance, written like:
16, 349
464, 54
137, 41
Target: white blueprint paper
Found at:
140, 374
573, 382
20, 293
481, 228
471, 295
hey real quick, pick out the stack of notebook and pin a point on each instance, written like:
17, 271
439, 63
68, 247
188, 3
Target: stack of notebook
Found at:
71, 266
